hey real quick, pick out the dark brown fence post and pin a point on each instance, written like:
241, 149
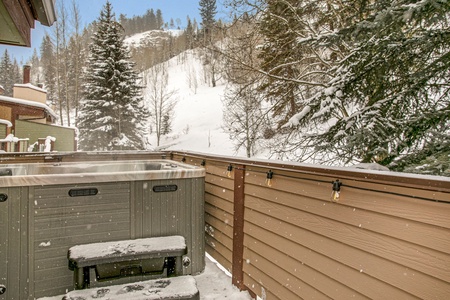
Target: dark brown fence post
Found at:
238, 227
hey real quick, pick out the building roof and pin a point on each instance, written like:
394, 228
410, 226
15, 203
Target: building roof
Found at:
6, 122
30, 86
29, 103
17, 17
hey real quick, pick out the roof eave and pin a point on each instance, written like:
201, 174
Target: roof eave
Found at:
45, 11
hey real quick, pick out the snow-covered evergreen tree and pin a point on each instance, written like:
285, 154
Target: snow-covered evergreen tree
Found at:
208, 11
112, 115
6, 67
370, 80
47, 51
392, 87
279, 58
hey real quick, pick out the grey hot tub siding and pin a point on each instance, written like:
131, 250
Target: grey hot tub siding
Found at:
39, 223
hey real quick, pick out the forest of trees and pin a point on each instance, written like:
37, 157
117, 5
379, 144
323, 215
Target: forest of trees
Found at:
347, 82
325, 81
63, 54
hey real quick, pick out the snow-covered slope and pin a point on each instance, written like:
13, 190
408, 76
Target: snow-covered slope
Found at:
197, 123
151, 38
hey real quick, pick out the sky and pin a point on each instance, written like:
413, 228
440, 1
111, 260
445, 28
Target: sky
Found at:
90, 11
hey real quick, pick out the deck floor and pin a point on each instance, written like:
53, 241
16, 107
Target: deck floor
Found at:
213, 284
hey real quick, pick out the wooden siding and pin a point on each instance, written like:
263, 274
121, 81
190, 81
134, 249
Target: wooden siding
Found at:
388, 237
3, 131
65, 137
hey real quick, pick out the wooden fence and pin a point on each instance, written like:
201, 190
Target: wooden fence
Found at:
387, 237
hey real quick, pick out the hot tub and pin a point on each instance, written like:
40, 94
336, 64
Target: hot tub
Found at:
47, 208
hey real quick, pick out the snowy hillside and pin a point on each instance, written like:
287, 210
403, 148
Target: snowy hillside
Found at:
197, 124
150, 38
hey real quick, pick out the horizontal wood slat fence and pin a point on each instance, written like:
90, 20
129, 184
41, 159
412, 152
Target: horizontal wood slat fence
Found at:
388, 236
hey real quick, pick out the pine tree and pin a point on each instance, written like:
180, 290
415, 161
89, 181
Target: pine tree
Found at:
279, 56
6, 79
388, 101
159, 19
208, 11
47, 51
35, 64
189, 34
112, 115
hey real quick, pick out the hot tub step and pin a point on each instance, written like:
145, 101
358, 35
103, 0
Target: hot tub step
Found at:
176, 288
128, 257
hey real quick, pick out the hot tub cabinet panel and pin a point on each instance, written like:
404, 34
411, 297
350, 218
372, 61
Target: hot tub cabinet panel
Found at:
14, 242
40, 222
173, 207
61, 221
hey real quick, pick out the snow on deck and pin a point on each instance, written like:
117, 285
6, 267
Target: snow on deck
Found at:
213, 284
167, 288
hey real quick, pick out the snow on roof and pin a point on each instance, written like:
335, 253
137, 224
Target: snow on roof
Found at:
6, 122
29, 103
30, 86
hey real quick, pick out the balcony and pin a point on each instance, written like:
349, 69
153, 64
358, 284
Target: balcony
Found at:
289, 231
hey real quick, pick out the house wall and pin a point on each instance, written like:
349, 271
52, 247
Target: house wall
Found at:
65, 137
5, 112
388, 237
3, 128
28, 92
33, 119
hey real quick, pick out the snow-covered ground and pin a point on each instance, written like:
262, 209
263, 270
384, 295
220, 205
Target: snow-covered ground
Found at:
198, 120
152, 37
213, 284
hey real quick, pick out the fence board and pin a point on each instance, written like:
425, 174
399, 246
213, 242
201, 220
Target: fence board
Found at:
219, 202
272, 280
381, 201
220, 180
434, 237
309, 258
324, 237
223, 258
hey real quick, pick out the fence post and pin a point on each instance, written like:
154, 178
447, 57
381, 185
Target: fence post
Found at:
238, 227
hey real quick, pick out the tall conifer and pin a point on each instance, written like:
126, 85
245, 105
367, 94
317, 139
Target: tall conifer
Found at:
5, 74
112, 115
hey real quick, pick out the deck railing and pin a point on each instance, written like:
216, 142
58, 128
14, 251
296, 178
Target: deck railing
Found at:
386, 237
